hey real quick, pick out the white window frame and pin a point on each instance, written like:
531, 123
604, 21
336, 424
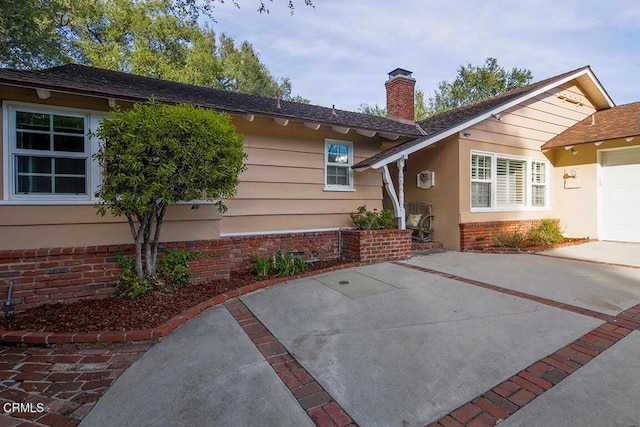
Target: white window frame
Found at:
93, 172
335, 187
528, 206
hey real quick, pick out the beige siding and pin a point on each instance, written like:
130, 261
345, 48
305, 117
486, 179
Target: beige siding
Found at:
535, 121
33, 226
275, 223
283, 186
282, 189
520, 132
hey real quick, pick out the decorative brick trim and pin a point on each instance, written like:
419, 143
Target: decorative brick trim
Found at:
523, 295
48, 338
314, 399
507, 397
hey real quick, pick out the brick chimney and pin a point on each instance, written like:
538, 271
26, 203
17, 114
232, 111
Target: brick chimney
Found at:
400, 96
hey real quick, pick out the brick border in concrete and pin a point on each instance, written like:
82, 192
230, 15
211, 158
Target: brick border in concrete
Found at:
507, 397
504, 399
323, 410
524, 295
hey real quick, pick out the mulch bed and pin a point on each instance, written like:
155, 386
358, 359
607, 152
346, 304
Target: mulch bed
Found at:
119, 313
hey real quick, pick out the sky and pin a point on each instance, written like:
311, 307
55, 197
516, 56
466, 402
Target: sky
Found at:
341, 51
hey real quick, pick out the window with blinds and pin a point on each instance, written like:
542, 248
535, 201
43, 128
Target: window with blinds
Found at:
510, 182
507, 183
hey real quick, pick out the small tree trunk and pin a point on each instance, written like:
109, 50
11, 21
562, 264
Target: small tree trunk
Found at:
137, 237
149, 257
159, 219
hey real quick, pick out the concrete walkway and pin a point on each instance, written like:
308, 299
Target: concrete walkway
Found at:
450, 338
616, 253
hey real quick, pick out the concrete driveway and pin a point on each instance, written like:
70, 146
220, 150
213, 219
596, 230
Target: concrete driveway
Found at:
463, 338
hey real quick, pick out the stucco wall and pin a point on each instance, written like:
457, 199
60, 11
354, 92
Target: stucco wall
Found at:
441, 158
575, 200
521, 131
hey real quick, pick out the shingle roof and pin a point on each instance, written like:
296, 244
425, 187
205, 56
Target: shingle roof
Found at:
622, 121
98, 82
443, 124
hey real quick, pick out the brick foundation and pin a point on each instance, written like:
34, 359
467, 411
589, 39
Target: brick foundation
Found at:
479, 235
41, 276
368, 246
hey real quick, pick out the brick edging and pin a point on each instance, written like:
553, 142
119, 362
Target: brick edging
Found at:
552, 303
321, 407
48, 338
507, 397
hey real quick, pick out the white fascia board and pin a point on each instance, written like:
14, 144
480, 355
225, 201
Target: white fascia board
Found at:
487, 114
597, 84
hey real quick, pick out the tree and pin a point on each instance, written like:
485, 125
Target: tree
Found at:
30, 35
153, 38
196, 7
155, 155
474, 83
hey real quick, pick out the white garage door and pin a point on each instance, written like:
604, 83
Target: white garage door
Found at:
620, 195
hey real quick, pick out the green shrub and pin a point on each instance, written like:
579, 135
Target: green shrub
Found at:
129, 283
173, 267
286, 265
504, 239
300, 265
548, 232
283, 264
372, 220
173, 271
260, 266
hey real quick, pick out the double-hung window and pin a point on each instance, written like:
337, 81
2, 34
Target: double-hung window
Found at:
338, 159
49, 154
502, 183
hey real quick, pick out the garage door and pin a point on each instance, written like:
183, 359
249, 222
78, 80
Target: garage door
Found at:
620, 195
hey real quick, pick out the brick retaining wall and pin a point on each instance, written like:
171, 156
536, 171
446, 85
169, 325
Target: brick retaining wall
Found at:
479, 235
368, 246
41, 276
50, 275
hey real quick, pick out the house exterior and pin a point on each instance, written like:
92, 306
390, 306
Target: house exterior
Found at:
292, 170
558, 148
296, 193
541, 151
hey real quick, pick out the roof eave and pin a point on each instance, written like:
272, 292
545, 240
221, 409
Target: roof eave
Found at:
487, 114
120, 97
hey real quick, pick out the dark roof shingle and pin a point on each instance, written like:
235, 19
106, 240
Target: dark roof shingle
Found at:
106, 83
